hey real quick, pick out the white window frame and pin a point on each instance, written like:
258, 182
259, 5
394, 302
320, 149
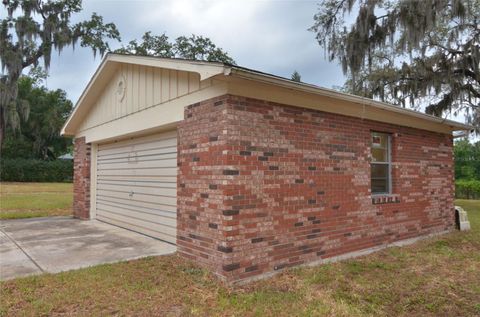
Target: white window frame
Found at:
388, 163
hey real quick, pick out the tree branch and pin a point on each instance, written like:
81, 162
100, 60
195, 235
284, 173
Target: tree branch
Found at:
469, 73
450, 50
472, 90
32, 59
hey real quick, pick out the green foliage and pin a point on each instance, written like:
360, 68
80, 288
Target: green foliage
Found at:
467, 160
467, 189
30, 170
409, 53
193, 47
29, 33
39, 135
296, 76
467, 169
17, 147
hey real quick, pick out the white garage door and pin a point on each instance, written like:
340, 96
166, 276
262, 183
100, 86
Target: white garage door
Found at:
137, 185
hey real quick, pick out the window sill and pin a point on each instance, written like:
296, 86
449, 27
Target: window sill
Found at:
378, 199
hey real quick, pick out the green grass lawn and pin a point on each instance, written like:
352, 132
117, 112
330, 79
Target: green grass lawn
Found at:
26, 200
435, 277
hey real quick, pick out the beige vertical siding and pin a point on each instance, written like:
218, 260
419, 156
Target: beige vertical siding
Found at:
145, 87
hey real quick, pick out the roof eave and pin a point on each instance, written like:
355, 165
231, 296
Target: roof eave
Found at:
210, 69
247, 74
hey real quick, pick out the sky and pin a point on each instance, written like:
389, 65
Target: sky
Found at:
266, 35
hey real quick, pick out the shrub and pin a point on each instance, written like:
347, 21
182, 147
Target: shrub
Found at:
31, 170
468, 189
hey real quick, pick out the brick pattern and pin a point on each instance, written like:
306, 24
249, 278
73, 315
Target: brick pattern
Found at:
203, 177
264, 186
81, 179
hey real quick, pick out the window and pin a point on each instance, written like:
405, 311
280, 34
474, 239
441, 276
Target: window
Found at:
380, 165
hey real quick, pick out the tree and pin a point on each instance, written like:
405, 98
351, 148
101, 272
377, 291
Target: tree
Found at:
409, 53
31, 30
296, 76
39, 135
193, 47
467, 160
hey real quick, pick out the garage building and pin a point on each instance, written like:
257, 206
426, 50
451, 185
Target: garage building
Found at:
248, 173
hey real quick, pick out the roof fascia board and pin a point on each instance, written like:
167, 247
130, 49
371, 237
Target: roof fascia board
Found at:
206, 70
250, 75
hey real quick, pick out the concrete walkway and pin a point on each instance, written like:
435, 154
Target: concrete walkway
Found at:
55, 244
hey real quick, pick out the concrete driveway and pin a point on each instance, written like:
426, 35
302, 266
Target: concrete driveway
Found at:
55, 244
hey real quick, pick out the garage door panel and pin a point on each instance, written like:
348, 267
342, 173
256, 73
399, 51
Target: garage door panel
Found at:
141, 222
163, 212
139, 150
138, 179
138, 228
138, 204
136, 185
123, 158
127, 190
161, 151
170, 163
141, 140
139, 214
138, 171
153, 199
140, 147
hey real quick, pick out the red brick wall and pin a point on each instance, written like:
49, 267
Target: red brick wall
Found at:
264, 186
201, 232
81, 179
